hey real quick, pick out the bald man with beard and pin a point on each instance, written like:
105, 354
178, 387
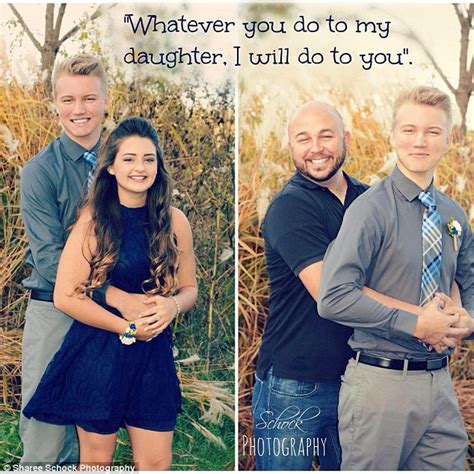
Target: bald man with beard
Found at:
302, 356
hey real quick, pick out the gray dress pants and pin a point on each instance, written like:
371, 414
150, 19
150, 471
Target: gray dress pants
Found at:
45, 328
395, 420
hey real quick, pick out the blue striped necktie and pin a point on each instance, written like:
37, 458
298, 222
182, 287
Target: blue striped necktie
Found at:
91, 159
431, 233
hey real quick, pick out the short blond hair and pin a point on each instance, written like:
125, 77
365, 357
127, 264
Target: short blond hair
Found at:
424, 95
81, 65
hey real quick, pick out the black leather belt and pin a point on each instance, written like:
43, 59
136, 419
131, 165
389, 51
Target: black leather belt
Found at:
41, 295
398, 364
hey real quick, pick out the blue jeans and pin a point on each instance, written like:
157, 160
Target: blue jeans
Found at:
293, 422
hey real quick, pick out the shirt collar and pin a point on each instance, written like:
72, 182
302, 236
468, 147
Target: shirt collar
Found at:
407, 187
301, 180
353, 182
72, 149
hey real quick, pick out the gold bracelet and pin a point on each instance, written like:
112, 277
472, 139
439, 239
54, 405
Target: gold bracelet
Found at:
178, 308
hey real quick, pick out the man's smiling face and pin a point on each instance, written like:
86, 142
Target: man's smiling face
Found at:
317, 141
81, 101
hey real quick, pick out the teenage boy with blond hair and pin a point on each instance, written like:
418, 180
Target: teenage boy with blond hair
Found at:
405, 239
52, 184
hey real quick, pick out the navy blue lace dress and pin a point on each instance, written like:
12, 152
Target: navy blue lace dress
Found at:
97, 382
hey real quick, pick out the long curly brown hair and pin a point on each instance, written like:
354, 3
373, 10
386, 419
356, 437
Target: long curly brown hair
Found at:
104, 205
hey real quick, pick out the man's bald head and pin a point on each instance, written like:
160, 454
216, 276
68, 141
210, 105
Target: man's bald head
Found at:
312, 108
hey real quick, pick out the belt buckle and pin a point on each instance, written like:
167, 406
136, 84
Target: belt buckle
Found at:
434, 364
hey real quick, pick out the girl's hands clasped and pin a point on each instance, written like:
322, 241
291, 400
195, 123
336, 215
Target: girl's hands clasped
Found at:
156, 318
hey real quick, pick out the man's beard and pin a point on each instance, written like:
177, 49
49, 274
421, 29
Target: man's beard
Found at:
319, 179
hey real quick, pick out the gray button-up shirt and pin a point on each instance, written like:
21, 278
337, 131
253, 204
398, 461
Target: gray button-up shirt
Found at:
51, 186
380, 246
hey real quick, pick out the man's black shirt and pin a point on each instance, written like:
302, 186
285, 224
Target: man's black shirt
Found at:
301, 221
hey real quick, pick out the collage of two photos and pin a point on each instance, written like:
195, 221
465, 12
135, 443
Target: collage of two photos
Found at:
236, 236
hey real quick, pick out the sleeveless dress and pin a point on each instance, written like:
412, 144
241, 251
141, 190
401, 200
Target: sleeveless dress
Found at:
97, 382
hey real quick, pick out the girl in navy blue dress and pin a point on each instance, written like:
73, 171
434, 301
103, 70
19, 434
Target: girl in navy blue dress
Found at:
111, 371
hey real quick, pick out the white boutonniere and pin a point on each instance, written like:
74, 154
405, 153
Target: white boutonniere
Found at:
455, 231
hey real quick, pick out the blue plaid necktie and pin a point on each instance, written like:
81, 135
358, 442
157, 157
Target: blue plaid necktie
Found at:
431, 232
91, 159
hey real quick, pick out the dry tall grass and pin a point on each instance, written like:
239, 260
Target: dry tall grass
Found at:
198, 140
264, 165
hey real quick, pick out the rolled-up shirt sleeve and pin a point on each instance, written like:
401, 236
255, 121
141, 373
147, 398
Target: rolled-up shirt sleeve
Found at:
346, 269
41, 219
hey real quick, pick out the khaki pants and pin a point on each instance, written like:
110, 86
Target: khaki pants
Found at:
44, 332
395, 420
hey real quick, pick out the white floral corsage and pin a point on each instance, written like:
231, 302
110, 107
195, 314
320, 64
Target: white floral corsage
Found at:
455, 231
